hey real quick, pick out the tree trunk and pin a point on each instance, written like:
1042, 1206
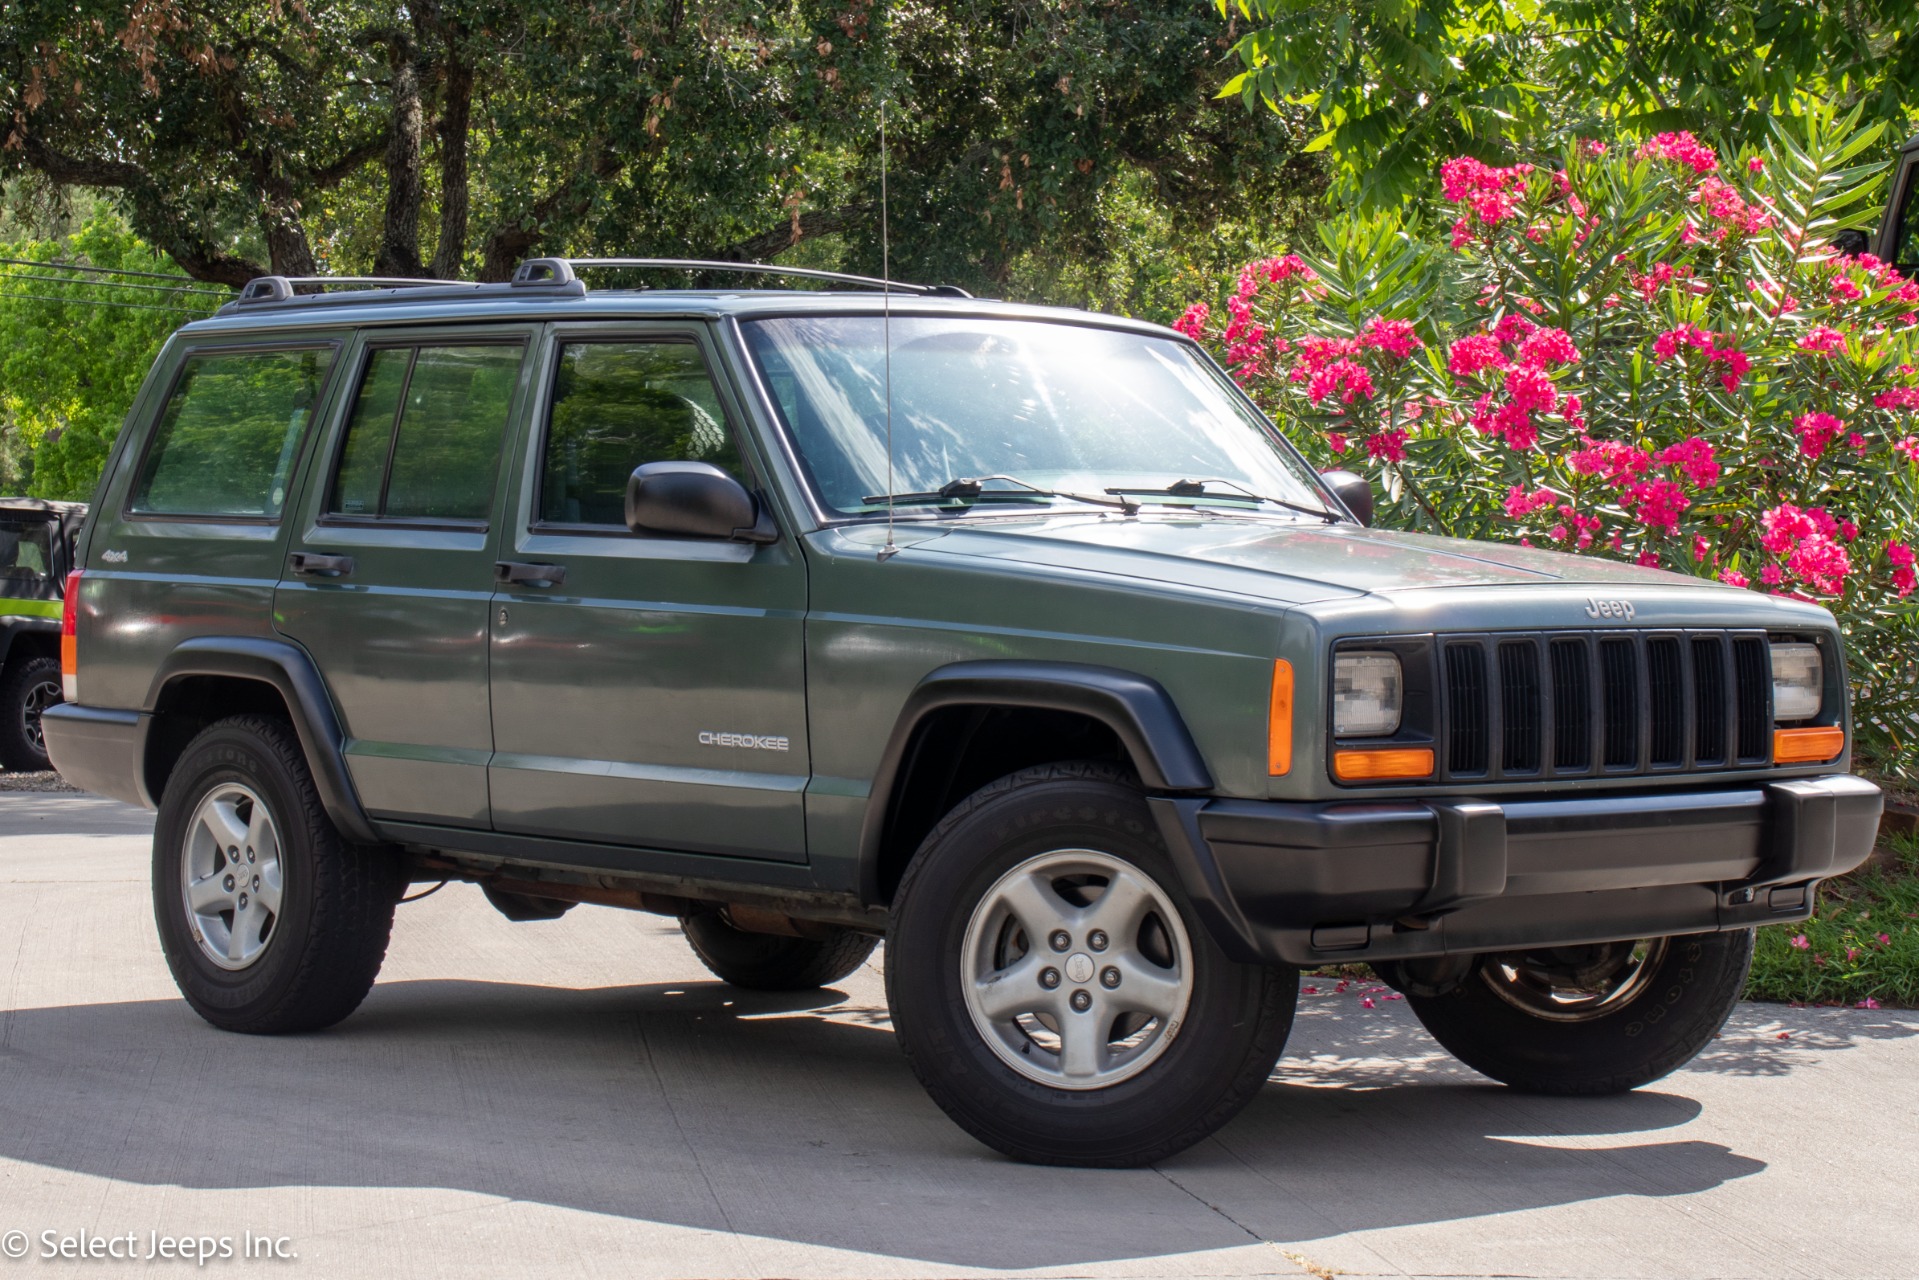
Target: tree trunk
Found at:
450, 255
288, 249
400, 236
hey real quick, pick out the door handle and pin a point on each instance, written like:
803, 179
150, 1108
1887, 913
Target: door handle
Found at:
514, 573
314, 565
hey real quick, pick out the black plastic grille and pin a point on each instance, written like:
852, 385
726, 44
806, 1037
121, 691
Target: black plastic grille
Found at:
1466, 729
1541, 705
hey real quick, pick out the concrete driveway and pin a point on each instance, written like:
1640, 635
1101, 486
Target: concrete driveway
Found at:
580, 1098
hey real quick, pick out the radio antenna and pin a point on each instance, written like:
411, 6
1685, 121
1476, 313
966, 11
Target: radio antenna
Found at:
886, 340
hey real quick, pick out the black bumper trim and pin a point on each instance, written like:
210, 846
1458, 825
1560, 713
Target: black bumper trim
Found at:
1308, 884
98, 749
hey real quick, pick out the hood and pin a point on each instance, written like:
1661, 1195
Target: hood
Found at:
1294, 563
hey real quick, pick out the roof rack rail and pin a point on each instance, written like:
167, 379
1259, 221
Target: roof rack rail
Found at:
559, 271
281, 288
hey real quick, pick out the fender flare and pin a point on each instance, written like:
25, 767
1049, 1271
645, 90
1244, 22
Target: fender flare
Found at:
289, 669
1137, 708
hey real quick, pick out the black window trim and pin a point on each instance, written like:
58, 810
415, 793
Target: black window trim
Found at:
676, 336
443, 524
129, 514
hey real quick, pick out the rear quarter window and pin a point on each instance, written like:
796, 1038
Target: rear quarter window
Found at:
226, 442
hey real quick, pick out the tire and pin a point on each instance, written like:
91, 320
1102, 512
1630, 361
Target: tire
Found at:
1658, 1016
1048, 845
773, 962
315, 925
27, 689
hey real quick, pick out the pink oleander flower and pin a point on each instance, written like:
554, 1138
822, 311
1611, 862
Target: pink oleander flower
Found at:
1701, 548
1822, 340
1694, 459
1908, 448
1349, 379
1387, 446
1611, 460
1544, 348
1785, 525
1531, 390
1513, 328
1337, 442
1647, 559
1756, 165
1897, 398
1904, 577
1520, 504
1475, 352
1820, 563
1192, 322
1657, 504
1772, 575
1816, 432
1394, 337
1682, 148
1734, 578
1867, 1003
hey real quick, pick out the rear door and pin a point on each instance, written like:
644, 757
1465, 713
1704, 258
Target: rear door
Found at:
390, 569
654, 695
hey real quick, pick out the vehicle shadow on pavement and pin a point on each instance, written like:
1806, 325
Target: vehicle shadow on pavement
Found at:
778, 1116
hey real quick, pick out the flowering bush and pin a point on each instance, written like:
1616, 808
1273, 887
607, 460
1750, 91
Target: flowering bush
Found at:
1649, 352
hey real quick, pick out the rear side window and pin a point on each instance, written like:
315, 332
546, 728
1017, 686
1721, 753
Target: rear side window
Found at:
424, 441
617, 405
227, 439
26, 557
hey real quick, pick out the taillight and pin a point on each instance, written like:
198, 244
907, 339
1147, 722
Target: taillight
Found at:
70, 640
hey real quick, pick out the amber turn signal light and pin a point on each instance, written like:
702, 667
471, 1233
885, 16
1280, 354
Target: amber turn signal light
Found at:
1382, 766
1807, 746
1279, 721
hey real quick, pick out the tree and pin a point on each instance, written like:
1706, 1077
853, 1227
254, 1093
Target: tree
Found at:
74, 347
451, 137
1399, 85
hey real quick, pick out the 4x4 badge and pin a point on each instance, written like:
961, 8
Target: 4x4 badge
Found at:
1608, 608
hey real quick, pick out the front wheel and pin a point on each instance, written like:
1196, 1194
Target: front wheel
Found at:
1052, 989
1594, 1019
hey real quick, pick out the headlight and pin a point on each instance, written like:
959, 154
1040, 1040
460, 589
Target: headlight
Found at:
1798, 681
1368, 692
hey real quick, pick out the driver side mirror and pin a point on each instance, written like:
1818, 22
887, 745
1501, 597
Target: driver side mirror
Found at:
694, 500
1353, 490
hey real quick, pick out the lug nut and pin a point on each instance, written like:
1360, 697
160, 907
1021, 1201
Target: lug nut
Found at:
1081, 1002
228, 882
249, 855
1049, 978
256, 889
243, 902
1109, 977
1097, 940
1061, 939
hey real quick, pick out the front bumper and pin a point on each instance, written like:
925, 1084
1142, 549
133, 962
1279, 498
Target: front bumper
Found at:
1312, 884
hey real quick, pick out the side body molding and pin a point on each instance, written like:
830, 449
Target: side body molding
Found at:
1136, 708
288, 668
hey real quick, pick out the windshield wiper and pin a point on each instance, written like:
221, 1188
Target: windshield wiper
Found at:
968, 487
1197, 489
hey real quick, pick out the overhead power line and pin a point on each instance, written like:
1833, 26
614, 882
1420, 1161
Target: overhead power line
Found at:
71, 283
96, 302
105, 271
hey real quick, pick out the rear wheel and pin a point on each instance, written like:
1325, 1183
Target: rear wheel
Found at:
1052, 989
1594, 1019
26, 691
774, 962
270, 920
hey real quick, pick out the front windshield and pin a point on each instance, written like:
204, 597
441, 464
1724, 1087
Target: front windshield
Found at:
1062, 407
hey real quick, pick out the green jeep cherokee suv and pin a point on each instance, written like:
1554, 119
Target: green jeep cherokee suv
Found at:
1017, 637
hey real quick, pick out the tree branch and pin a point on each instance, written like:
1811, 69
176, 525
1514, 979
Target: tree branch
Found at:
775, 240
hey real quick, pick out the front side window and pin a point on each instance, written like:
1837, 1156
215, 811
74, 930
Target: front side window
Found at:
226, 442
424, 440
1071, 408
1905, 234
617, 405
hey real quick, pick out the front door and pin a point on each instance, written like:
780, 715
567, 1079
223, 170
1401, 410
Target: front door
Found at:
647, 691
390, 575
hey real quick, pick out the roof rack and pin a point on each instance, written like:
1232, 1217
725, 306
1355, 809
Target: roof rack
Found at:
560, 271
281, 288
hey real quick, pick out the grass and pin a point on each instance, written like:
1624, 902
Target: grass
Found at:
1861, 946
